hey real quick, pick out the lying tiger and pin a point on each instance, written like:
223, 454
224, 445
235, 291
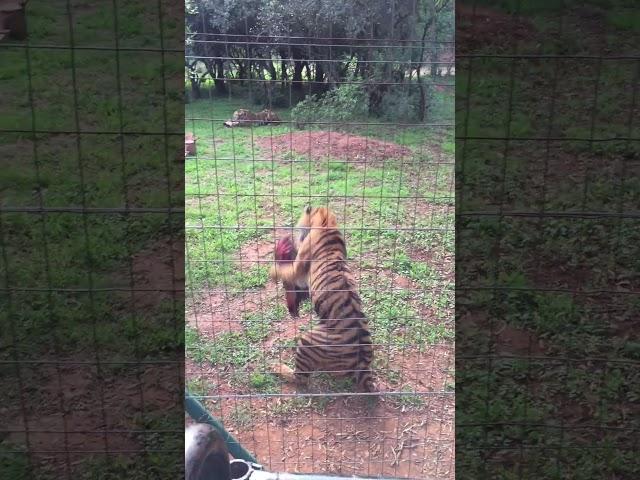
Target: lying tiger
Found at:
246, 118
341, 342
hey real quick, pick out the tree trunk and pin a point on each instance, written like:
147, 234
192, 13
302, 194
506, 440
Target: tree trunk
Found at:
319, 73
272, 70
297, 76
218, 81
195, 87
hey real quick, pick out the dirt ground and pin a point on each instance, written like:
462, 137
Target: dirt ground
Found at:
319, 145
78, 389
492, 26
392, 436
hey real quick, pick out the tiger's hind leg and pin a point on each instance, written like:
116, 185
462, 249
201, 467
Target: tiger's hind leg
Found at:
365, 382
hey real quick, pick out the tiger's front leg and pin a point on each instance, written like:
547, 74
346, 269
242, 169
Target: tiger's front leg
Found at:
286, 273
294, 273
290, 375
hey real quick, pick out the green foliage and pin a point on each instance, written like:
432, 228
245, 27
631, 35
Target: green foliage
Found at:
263, 382
345, 103
12, 464
400, 105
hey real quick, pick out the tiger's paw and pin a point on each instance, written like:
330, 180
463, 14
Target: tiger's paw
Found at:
284, 371
369, 386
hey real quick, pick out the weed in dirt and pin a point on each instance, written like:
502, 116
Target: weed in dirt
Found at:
242, 416
285, 345
233, 348
13, 464
257, 325
255, 277
199, 385
288, 407
409, 401
257, 381
388, 312
420, 272
330, 383
263, 382
197, 348
394, 320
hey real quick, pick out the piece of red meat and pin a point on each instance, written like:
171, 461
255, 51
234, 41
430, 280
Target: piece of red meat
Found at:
286, 252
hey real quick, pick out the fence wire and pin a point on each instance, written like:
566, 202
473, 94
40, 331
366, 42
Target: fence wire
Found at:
91, 232
365, 128
547, 204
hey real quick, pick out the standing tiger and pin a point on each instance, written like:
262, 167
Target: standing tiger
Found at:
341, 342
246, 118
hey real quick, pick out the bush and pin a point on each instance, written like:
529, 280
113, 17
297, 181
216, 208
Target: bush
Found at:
345, 103
399, 105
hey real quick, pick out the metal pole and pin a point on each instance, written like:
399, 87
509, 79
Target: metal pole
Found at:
200, 414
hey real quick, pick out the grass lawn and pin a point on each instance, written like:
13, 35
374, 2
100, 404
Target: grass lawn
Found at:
69, 273
237, 192
564, 279
397, 216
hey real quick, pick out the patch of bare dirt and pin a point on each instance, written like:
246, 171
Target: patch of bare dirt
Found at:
79, 392
318, 145
516, 341
219, 312
495, 28
403, 437
391, 436
157, 270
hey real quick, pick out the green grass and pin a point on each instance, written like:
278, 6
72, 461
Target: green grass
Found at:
103, 244
199, 385
230, 184
410, 401
14, 463
155, 463
234, 348
233, 187
293, 407
243, 416
549, 253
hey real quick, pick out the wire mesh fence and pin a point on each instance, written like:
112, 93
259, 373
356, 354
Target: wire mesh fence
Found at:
352, 110
91, 232
547, 207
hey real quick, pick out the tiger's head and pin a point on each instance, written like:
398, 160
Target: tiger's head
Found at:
315, 217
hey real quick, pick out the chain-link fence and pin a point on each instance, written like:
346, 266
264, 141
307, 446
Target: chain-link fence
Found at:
547, 225
91, 232
360, 120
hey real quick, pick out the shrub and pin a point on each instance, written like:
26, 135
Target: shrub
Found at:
345, 103
399, 105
